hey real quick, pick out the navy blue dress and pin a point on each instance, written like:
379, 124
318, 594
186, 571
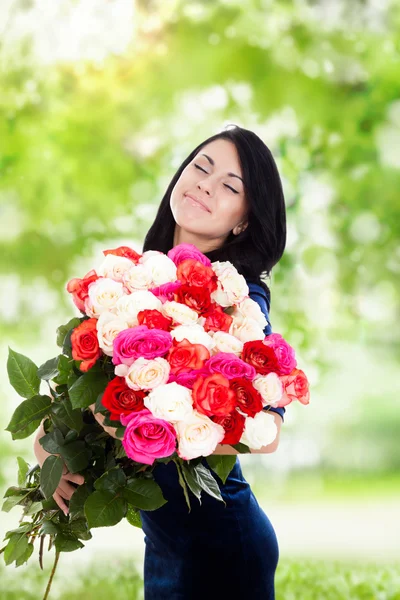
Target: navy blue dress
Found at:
215, 551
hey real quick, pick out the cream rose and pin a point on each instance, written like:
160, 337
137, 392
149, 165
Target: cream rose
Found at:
232, 287
114, 267
225, 342
137, 278
161, 268
145, 373
103, 295
251, 309
180, 312
247, 331
195, 334
259, 431
108, 327
129, 305
170, 401
270, 388
198, 436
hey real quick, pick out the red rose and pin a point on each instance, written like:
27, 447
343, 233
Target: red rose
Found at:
124, 251
217, 319
192, 272
85, 345
154, 319
79, 288
184, 356
233, 425
213, 396
119, 398
248, 399
197, 298
259, 355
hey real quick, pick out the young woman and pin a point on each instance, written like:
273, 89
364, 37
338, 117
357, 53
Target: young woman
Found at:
226, 198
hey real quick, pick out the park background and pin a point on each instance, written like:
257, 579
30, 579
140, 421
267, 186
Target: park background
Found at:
100, 102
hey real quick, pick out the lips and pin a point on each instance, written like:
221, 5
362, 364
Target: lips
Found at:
198, 201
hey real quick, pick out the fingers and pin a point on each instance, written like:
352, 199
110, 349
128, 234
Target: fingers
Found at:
75, 478
60, 502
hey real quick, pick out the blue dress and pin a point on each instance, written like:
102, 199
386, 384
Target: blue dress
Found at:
214, 551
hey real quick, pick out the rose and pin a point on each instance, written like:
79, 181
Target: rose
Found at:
225, 342
261, 356
124, 251
187, 379
114, 267
248, 399
184, 356
233, 425
128, 306
194, 273
119, 399
181, 252
270, 387
144, 373
195, 334
285, 354
232, 287
147, 438
85, 345
212, 395
251, 309
217, 320
103, 295
79, 288
246, 329
197, 298
229, 365
170, 401
295, 387
140, 341
108, 327
166, 290
161, 268
154, 319
198, 436
180, 313
259, 431
137, 278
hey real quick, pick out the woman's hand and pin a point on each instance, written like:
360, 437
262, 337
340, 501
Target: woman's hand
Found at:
64, 489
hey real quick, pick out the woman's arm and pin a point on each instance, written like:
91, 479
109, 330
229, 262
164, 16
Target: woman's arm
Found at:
226, 449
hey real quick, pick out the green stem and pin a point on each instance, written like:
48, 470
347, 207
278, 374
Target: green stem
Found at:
51, 575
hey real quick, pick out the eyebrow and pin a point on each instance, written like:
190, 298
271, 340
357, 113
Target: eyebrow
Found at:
213, 163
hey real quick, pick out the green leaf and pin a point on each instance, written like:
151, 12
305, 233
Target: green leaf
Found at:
103, 509
86, 389
24, 556
49, 369
242, 448
133, 517
16, 547
69, 416
222, 465
63, 330
67, 542
50, 475
23, 528
204, 479
24, 433
28, 412
111, 481
33, 508
12, 501
64, 366
191, 481
52, 441
78, 499
22, 373
49, 527
23, 469
145, 494
76, 455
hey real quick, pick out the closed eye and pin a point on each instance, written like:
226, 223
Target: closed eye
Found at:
225, 184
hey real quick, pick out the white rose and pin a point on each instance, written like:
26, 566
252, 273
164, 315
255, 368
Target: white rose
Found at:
259, 431
146, 373
148, 254
108, 327
103, 295
129, 305
170, 401
225, 342
137, 278
251, 309
180, 312
232, 287
247, 331
114, 267
270, 388
161, 268
198, 436
195, 334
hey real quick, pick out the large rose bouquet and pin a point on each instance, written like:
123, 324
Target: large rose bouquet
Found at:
170, 350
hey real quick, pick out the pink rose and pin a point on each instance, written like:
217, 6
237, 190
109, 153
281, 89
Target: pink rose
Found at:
230, 366
166, 291
188, 379
284, 353
181, 252
147, 438
295, 387
140, 341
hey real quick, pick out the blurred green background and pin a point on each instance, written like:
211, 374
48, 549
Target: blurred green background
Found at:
100, 102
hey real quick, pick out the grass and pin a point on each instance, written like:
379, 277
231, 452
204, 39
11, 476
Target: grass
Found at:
295, 580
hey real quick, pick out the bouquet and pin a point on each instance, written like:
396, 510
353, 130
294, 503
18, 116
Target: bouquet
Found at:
169, 349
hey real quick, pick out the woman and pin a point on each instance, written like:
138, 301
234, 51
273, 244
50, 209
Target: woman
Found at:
226, 198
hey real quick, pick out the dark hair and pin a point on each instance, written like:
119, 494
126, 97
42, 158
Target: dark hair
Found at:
257, 249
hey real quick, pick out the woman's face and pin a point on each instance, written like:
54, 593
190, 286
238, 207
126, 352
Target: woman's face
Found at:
213, 178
